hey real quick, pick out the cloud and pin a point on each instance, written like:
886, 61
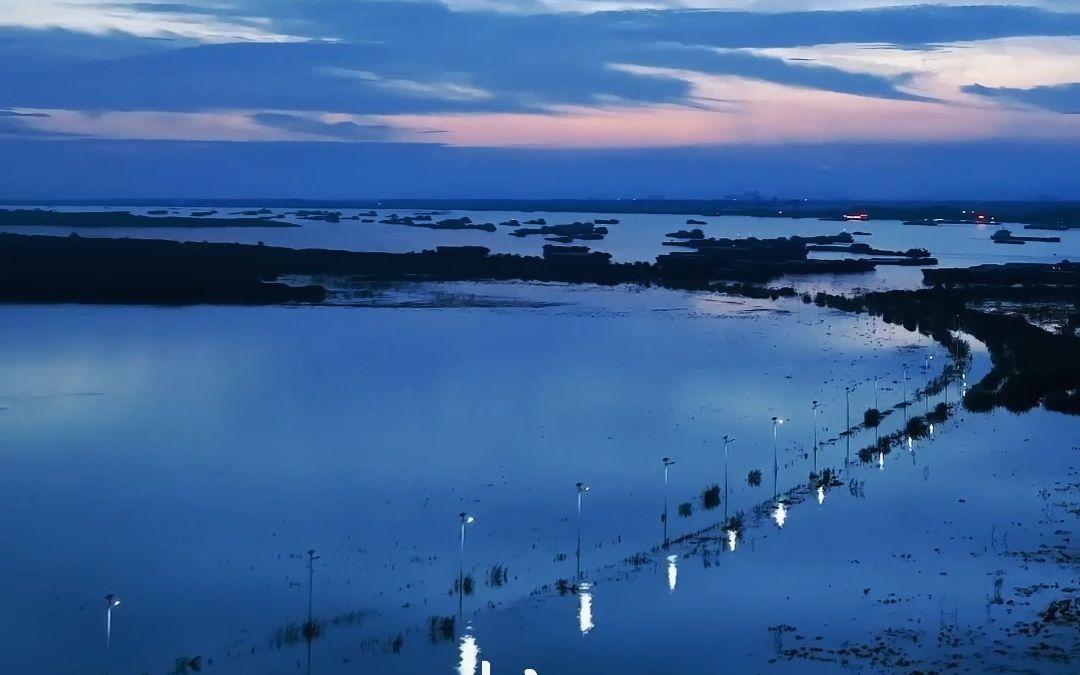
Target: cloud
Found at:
15, 113
446, 91
207, 22
545, 78
1062, 98
312, 126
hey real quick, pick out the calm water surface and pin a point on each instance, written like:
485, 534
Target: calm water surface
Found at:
186, 459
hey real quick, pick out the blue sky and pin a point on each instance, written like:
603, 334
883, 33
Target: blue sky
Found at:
535, 98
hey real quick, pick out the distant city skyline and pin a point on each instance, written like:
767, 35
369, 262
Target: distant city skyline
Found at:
534, 98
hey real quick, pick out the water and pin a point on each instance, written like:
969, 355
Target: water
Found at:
186, 459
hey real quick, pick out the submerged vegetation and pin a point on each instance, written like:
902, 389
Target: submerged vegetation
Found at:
710, 497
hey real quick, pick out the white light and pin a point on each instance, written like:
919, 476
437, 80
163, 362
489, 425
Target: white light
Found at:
732, 536
469, 654
780, 515
470, 520
820, 495
672, 572
585, 620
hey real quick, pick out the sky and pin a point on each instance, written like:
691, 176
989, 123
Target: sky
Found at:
538, 98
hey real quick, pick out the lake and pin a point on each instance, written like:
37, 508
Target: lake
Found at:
187, 459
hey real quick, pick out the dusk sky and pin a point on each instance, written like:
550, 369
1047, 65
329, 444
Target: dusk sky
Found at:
538, 98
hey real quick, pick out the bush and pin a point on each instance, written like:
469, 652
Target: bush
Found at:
686, 509
753, 479
710, 497
871, 418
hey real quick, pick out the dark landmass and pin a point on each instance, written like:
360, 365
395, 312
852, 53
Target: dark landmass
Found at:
1056, 227
41, 218
866, 249
1007, 237
325, 216
1031, 366
568, 232
99, 270
1056, 214
606, 221
463, 223
695, 233
1064, 274
781, 246
691, 221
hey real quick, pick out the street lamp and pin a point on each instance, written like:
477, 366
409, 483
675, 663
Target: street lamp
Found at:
926, 366
727, 440
847, 423
309, 627
110, 602
776, 422
815, 406
667, 464
905, 395
582, 488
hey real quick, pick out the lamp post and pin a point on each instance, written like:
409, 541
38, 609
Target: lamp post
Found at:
776, 422
905, 395
582, 488
847, 424
110, 602
727, 440
814, 406
309, 627
667, 464
926, 393
466, 519
875, 394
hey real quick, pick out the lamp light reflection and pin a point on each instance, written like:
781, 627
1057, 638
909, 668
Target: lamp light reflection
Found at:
820, 495
585, 620
672, 572
780, 514
469, 653
732, 537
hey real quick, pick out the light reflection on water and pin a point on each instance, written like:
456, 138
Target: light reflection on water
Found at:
672, 572
585, 613
218, 423
780, 514
468, 655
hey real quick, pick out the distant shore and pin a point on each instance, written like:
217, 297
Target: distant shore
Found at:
1054, 213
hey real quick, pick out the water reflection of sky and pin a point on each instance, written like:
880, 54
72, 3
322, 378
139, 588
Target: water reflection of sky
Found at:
187, 458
